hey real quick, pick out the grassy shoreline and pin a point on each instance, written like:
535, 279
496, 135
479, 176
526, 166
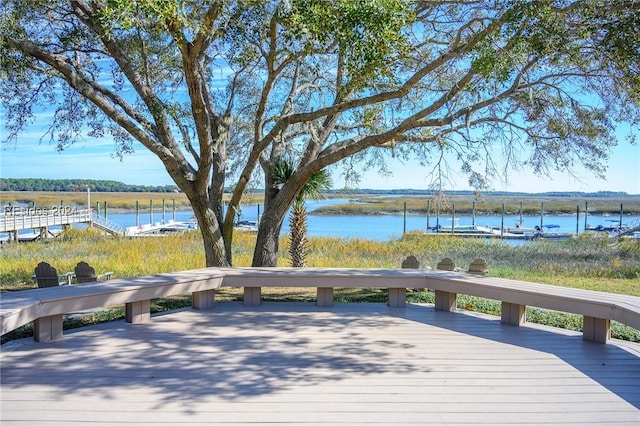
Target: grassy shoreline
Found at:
589, 262
600, 264
484, 205
358, 204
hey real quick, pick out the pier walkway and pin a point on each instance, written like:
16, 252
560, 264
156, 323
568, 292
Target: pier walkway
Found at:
43, 219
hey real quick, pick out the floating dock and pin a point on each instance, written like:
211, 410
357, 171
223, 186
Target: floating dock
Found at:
172, 227
474, 231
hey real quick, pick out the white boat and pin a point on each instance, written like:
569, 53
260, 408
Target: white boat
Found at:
458, 229
246, 226
546, 233
517, 229
614, 228
158, 228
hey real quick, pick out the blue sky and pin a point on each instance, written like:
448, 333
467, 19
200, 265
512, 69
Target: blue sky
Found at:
93, 159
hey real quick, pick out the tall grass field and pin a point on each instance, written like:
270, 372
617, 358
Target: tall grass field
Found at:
593, 263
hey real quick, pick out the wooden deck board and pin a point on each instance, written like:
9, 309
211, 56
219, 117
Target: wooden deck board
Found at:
295, 363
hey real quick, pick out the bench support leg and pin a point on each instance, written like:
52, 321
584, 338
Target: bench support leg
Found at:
324, 297
46, 329
138, 312
397, 297
252, 296
513, 314
203, 299
445, 301
596, 329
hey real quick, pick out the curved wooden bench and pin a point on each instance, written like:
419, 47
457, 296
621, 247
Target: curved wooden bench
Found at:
597, 308
325, 280
46, 306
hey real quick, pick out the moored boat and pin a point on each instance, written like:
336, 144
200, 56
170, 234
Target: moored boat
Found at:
548, 232
519, 228
615, 227
246, 226
457, 229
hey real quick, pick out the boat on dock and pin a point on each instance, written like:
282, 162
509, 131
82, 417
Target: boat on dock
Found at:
246, 226
158, 229
471, 230
519, 228
176, 227
614, 227
517, 232
549, 232
456, 228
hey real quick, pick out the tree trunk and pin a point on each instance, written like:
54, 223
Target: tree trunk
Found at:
212, 239
276, 204
266, 250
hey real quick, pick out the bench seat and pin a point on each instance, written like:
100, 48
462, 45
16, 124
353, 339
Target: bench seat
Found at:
597, 308
46, 306
566, 299
325, 280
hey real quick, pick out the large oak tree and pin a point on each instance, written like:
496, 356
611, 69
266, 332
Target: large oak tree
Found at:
221, 91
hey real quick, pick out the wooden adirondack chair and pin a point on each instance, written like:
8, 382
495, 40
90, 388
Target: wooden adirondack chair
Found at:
85, 273
410, 263
47, 276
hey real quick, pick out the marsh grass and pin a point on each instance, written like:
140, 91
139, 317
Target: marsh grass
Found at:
114, 200
600, 264
360, 205
484, 205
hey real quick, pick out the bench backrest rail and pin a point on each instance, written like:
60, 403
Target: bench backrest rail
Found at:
46, 306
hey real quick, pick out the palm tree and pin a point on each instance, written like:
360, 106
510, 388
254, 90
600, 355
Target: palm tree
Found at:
318, 182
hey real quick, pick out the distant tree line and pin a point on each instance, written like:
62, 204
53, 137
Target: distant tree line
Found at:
77, 185
598, 194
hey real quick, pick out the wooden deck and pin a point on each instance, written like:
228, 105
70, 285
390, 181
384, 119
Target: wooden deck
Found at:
295, 363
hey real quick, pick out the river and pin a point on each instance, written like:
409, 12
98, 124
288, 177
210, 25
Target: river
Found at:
381, 227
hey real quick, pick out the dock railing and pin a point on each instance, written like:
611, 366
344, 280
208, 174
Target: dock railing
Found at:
107, 225
37, 218
15, 220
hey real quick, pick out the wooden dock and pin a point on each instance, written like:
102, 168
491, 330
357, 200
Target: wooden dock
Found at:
295, 363
38, 218
42, 220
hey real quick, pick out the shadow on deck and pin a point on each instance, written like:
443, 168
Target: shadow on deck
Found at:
296, 363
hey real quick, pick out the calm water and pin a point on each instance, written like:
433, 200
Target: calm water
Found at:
383, 227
